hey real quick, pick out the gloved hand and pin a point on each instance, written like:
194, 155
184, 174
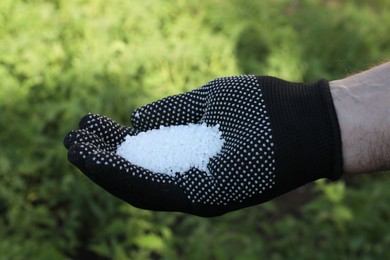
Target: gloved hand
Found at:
278, 136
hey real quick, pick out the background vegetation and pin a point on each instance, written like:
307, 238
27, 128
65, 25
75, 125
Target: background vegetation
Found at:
60, 59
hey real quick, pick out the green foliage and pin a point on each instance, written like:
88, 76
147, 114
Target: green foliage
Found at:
342, 222
61, 59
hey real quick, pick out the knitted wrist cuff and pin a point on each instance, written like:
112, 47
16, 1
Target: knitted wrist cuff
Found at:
305, 131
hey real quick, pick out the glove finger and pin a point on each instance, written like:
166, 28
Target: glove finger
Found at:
136, 185
78, 153
83, 136
144, 189
173, 110
105, 128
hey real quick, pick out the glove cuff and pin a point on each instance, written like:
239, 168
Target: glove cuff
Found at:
305, 131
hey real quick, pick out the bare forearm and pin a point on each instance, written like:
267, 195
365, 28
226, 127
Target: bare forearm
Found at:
362, 103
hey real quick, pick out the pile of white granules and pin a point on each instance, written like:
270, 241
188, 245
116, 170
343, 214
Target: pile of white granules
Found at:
173, 149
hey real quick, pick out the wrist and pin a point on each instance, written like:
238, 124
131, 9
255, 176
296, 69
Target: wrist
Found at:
363, 110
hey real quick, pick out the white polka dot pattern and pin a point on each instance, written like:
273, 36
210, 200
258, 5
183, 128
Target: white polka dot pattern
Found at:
304, 124
246, 165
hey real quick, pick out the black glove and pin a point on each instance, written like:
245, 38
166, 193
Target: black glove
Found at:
278, 136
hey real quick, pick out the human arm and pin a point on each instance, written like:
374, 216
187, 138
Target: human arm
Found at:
362, 103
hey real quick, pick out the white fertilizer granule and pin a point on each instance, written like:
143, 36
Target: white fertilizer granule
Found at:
173, 149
